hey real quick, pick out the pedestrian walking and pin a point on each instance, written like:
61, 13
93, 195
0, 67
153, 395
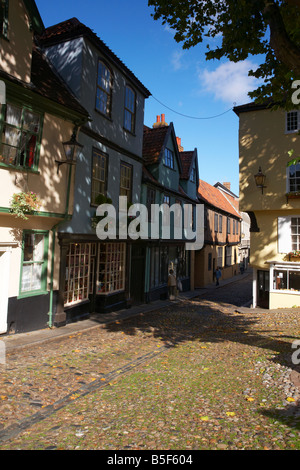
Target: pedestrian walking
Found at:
218, 275
171, 285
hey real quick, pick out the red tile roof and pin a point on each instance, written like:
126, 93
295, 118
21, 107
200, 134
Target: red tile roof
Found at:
153, 141
186, 161
215, 197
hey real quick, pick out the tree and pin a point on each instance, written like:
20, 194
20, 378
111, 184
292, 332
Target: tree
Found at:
269, 29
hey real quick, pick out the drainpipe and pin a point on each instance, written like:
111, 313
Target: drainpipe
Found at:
54, 231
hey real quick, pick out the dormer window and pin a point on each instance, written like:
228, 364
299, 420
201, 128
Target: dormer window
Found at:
104, 89
4, 18
169, 158
193, 175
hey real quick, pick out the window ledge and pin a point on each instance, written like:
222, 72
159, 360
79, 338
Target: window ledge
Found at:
3, 166
294, 195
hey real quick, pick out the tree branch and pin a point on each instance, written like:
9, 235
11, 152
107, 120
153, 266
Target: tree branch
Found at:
284, 48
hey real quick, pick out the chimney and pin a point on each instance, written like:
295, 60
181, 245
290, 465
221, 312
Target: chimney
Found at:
227, 185
160, 121
180, 148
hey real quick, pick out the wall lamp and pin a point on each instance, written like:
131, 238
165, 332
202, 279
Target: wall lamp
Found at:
71, 149
260, 180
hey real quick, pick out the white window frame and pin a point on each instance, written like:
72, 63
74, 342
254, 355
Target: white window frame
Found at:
292, 131
287, 267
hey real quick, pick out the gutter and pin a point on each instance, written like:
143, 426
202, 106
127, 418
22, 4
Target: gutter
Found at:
54, 231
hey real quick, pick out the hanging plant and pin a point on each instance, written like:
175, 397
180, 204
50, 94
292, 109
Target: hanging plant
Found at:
22, 204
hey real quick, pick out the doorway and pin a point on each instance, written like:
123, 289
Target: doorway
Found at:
263, 288
137, 281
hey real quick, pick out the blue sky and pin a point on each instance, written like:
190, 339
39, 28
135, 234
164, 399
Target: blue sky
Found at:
183, 81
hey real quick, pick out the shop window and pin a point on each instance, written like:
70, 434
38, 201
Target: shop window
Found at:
111, 268
286, 280
79, 276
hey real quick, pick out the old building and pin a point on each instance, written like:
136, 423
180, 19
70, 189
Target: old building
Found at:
95, 274
221, 234
269, 192
38, 115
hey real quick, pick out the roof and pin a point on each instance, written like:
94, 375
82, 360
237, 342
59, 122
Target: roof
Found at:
46, 82
153, 142
215, 197
244, 108
73, 28
187, 159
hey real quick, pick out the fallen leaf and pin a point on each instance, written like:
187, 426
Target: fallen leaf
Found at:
204, 418
230, 413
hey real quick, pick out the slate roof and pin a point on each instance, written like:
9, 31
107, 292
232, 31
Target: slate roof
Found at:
215, 197
47, 83
73, 28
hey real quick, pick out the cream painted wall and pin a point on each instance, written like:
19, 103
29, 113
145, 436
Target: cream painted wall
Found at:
286, 300
13, 237
15, 53
50, 186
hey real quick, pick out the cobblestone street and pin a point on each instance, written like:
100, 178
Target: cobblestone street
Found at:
201, 373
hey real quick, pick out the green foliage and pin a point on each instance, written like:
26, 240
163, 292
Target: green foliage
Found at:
245, 30
24, 203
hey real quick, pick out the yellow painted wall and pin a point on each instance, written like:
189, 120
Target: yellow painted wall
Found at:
263, 142
15, 53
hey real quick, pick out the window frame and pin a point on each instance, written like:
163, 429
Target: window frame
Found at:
23, 133
128, 191
169, 158
216, 222
44, 263
131, 113
95, 154
287, 114
103, 91
228, 226
228, 255
220, 223
111, 268
4, 10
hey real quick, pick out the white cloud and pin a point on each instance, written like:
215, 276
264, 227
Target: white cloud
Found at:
176, 60
229, 82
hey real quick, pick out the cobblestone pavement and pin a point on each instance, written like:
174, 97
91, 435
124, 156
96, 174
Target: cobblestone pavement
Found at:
203, 373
